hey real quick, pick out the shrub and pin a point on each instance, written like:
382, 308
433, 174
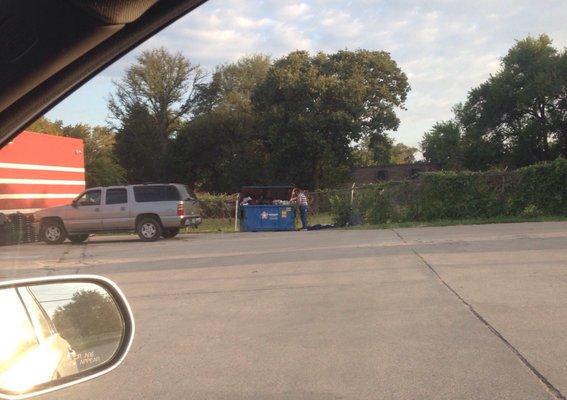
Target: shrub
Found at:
543, 186
216, 205
341, 209
531, 211
539, 189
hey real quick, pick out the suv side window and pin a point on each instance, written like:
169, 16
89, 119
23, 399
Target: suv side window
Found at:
116, 196
145, 194
15, 316
90, 198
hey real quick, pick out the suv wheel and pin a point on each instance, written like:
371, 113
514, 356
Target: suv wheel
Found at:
170, 233
53, 232
149, 229
78, 238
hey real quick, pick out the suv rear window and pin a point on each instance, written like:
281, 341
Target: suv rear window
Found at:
145, 194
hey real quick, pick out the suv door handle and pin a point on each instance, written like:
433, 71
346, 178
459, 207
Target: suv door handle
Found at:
122, 208
97, 209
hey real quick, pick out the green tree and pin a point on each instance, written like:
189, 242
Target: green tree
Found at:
159, 88
362, 156
136, 144
442, 145
101, 165
232, 85
313, 107
402, 154
86, 318
220, 149
520, 112
45, 125
217, 152
384, 152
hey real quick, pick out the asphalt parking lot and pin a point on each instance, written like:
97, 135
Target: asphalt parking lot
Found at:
466, 312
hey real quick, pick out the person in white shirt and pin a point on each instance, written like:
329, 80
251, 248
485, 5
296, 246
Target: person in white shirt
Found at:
299, 197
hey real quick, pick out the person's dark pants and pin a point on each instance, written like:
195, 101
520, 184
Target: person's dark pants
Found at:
303, 210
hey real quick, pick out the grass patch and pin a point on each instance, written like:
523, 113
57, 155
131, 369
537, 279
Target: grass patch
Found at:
213, 225
226, 225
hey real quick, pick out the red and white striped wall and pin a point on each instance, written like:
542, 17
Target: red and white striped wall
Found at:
39, 171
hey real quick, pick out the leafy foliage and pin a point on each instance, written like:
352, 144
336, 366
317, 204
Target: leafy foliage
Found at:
341, 210
148, 107
138, 147
311, 108
88, 316
383, 153
442, 145
402, 154
516, 118
529, 191
220, 149
291, 121
217, 205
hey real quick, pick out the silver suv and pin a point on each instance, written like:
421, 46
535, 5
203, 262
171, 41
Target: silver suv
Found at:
151, 210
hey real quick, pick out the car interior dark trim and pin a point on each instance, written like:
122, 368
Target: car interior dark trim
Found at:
94, 52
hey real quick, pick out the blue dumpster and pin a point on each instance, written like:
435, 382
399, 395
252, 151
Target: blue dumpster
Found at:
267, 218
267, 209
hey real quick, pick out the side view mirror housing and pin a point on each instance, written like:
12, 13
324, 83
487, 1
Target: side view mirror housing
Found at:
60, 331
75, 203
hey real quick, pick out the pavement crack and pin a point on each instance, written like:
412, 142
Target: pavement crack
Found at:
554, 391
82, 262
250, 290
398, 235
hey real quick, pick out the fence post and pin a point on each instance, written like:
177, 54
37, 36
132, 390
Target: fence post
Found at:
352, 194
236, 213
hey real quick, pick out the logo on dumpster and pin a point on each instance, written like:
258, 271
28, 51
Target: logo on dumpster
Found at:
264, 215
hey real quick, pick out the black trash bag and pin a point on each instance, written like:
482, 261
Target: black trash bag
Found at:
319, 227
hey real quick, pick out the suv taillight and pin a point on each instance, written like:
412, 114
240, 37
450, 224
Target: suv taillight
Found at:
180, 209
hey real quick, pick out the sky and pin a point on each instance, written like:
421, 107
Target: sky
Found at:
446, 47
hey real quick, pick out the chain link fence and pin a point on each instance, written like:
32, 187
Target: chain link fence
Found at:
529, 192
533, 191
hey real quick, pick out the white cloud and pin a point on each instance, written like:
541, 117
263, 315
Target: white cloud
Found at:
295, 10
446, 47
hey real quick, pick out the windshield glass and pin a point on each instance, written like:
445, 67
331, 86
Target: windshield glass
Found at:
310, 200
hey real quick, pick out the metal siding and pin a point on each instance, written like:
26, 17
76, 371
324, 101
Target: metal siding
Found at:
44, 170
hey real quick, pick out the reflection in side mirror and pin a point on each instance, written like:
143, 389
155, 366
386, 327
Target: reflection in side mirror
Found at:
58, 331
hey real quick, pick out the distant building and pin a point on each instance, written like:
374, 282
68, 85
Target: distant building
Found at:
393, 172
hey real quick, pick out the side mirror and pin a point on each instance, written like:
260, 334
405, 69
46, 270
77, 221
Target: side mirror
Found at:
75, 203
60, 331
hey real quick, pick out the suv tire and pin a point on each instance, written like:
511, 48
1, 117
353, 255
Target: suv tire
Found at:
78, 238
149, 229
53, 232
170, 233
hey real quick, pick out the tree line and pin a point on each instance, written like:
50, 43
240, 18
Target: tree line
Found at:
301, 119
308, 119
291, 120
516, 118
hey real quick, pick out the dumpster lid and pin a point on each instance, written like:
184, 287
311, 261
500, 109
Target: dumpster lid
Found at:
266, 192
